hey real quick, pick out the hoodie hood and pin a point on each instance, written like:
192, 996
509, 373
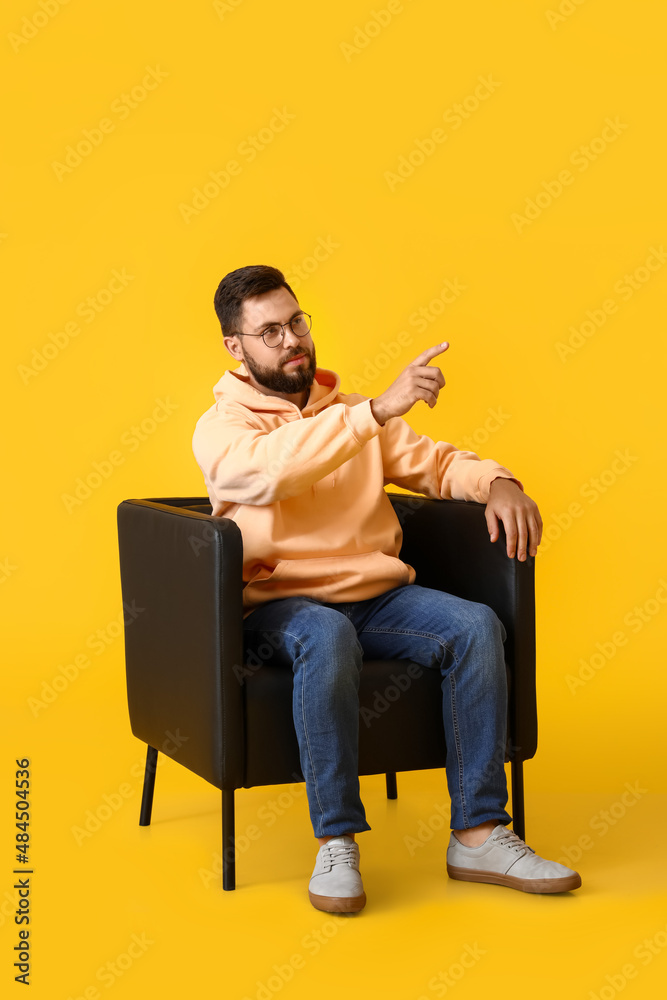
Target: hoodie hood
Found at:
235, 385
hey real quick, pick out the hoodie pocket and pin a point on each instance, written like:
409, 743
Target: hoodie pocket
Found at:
340, 575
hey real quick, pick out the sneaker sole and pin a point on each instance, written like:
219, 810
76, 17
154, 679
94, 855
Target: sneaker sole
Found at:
338, 904
513, 882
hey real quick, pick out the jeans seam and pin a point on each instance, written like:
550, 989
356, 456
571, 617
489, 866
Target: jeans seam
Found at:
410, 631
457, 741
423, 635
305, 731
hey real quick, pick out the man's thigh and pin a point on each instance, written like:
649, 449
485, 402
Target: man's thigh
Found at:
421, 624
277, 631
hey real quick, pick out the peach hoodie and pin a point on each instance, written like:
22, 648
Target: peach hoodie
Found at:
306, 487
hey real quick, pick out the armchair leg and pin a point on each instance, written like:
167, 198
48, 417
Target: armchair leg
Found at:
391, 785
228, 846
149, 787
518, 816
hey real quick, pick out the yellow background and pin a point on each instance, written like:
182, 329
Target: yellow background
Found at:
322, 179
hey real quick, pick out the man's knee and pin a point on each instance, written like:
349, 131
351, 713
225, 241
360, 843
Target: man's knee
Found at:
486, 621
332, 628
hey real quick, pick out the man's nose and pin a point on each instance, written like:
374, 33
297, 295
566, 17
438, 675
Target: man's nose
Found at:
291, 340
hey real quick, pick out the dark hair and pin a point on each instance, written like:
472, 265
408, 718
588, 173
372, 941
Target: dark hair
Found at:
242, 284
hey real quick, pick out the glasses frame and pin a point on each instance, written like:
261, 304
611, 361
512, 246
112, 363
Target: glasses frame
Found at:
283, 325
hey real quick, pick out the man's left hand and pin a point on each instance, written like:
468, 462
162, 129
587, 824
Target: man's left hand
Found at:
519, 514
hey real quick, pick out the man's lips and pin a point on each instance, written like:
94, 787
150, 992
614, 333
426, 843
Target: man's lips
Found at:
295, 361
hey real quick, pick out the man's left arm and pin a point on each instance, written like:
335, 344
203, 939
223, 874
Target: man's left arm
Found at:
439, 470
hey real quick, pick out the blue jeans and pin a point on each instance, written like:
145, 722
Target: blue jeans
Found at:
324, 644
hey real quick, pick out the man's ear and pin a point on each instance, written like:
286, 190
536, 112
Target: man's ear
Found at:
233, 345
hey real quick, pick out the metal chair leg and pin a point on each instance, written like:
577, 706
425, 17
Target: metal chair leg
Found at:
391, 785
228, 845
518, 816
149, 787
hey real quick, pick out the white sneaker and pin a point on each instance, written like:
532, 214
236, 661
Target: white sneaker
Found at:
335, 885
505, 859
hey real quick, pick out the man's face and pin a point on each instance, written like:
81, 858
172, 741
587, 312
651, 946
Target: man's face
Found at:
267, 365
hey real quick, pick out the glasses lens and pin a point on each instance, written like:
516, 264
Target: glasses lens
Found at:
300, 325
273, 336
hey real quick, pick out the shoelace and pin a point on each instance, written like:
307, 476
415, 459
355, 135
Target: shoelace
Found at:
341, 854
512, 840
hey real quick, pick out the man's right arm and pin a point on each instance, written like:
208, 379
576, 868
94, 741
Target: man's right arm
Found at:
249, 465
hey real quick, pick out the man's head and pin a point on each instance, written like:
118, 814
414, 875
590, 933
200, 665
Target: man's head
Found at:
249, 300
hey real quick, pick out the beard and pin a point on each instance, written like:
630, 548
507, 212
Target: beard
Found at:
281, 379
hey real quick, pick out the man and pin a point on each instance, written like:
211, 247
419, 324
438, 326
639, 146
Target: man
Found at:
300, 467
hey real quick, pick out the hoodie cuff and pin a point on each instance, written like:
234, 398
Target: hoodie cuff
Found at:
502, 475
361, 422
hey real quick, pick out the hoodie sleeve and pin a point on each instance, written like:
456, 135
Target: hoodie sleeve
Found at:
437, 469
244, 463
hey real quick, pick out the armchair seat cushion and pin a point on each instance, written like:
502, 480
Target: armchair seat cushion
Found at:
392, 694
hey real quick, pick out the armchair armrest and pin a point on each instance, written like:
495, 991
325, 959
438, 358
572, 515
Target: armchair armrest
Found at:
183, 569
447, 542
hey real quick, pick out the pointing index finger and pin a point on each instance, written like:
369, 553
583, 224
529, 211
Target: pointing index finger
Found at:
430, 353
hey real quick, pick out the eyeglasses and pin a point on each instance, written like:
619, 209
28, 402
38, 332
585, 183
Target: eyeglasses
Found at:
273, 335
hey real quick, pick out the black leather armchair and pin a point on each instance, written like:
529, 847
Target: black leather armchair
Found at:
191, 696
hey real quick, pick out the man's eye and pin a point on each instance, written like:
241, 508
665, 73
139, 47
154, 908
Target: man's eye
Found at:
272, 330
298, 321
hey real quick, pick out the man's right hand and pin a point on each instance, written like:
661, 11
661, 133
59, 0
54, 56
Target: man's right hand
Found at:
417, 381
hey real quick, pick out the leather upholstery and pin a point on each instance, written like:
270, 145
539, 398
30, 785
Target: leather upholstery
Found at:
183, 568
